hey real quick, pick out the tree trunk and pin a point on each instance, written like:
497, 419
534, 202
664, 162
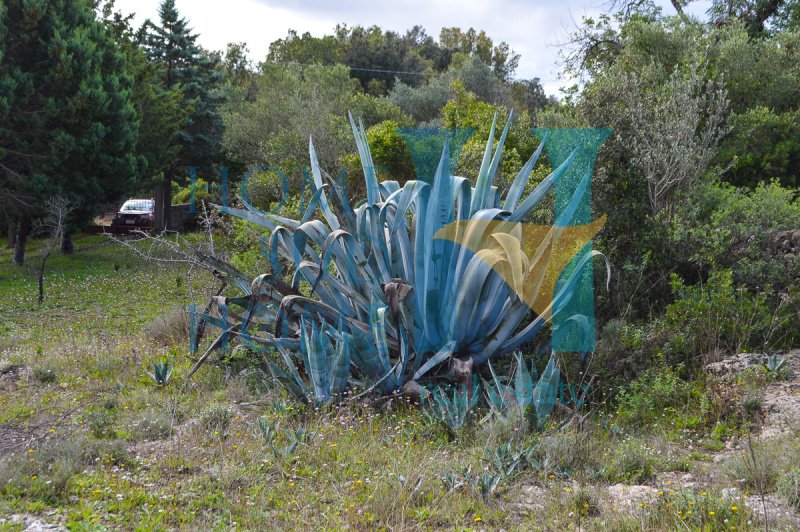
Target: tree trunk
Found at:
23, 230
12, 231
41, 278
163, 197
66, 243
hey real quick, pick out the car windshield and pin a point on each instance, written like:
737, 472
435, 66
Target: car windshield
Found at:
138, 205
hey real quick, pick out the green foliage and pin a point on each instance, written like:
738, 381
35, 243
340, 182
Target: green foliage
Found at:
199, 192
67, 121
185, 65
630, 463
719, 226
621, 356
422, 103
789, 486
102, 421
374, 110
714, 316
389, 150
48, 472
159, 109
45, 375
216, 420
757, 467
659, 396
162, 371
466, 111
288, 104
763, 145
379, 59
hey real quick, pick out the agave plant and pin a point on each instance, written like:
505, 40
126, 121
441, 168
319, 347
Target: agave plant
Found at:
530, 402
775, 363
162, 371
417, 284
453, 411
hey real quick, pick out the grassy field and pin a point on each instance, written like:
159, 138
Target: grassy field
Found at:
88, 441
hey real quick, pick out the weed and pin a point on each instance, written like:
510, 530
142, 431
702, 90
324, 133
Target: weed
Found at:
217, 419
45, 375
171, 328
789, 486
630, 463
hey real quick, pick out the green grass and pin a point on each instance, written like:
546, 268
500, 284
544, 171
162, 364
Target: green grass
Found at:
107, 447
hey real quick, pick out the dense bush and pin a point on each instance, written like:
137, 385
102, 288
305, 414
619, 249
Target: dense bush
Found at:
621, 356
720, 226
713, 317
763, 145
659, 396
390, 152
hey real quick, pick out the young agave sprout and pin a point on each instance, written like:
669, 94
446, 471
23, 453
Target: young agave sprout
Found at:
162, 371
419, 284
775, 363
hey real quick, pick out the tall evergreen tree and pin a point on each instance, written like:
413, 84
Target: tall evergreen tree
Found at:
185, 65
67, 124
160, 110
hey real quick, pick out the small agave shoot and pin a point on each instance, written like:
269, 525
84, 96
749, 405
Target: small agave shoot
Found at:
453, 411
162, 371
775, 363
521, 398
417, 285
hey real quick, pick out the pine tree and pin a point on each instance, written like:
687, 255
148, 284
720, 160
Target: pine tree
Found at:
185, 65
160, 110
67, 125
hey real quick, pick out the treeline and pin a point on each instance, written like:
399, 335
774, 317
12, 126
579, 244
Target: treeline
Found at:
93, 109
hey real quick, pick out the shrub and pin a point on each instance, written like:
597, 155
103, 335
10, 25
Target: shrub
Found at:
102, 421
789, 486
758, 467
45, 375
217, 419
153, 425
658, 396
566, 453
171, 328
45, 472
202, 192
763, 145
714, 317
389, 150
722, 227
621, 357
630, 463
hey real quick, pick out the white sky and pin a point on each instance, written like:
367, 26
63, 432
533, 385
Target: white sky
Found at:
533, 29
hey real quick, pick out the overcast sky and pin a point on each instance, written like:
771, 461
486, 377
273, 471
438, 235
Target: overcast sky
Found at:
533, 29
